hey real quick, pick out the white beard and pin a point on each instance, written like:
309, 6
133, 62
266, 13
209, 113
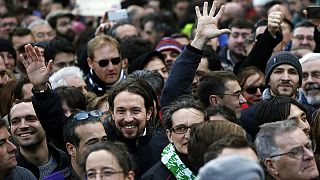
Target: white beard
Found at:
314, 101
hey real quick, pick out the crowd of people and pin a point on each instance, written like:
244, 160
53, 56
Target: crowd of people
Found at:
180, 89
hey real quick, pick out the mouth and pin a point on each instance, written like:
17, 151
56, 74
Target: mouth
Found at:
25, 134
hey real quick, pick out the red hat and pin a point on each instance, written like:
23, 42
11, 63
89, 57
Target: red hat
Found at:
168, 43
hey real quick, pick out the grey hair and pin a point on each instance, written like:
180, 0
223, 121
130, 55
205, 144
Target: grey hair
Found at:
38, 22
309, 57
58, 78
265, 143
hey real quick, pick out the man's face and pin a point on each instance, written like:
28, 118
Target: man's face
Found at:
311, 81
289, 167
8, 60
233, 97
7, 25
303, 38
109, 74
89, 134
284, 81
43, 33
25, 126
183, 118
170, 57
7, 151
202, 69
18, 41
64, 28
150, 34
156, 64
236, 41
62, 60
130, 114
301, 118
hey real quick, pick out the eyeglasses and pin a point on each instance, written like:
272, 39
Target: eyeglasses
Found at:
83, 115
253, 89
238, 94
11, 25
298, 152
103, 175
105, 62
180, 129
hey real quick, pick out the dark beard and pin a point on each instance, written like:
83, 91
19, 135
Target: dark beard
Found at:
69, 35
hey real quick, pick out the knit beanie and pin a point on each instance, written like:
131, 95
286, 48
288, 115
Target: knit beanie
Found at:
6, 46
168, 43
283, 57
233, 167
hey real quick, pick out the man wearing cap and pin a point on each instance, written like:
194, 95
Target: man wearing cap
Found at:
283, 75
170, 49
61, 21
311, 78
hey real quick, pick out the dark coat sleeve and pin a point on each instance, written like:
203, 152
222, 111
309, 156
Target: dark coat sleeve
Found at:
181, 75
48, 108
261, 51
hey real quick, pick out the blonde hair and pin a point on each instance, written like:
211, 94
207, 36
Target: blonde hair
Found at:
100, 41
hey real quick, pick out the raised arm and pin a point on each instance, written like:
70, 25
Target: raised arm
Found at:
46, 103
183, 70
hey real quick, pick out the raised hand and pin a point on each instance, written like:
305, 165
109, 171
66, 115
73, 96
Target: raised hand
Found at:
207, 25
36, 68
274, 21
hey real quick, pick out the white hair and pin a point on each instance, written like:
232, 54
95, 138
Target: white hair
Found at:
309, 57
58, 78
38, 22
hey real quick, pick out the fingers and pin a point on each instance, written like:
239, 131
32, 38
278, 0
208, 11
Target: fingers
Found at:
221, 10
205, 9
198, 12
213, 9
24, 61
49, 67
31, 53
224, 31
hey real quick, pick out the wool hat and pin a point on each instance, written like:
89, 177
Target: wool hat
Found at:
5, 45
233, 167
140, 62
168, 43
283, 57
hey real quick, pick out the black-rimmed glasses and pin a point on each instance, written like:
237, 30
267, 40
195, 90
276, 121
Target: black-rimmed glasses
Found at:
180, 129
105, 62
83, 115
238, 94
298, 152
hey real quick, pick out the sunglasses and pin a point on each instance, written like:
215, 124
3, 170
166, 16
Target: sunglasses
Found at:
105, 62
253, 89
83, 115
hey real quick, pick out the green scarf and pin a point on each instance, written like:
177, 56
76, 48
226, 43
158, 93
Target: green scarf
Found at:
171, 160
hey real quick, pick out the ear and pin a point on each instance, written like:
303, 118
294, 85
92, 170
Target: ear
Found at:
169, 134
125, 63
71, 149
271, 167
130, 175
149, 113
90, 63
213, 100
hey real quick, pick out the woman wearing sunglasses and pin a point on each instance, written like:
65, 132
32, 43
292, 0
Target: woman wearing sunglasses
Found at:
251, 80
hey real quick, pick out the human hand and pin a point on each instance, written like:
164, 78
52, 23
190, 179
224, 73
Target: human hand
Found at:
274, 21
37, 71
207, 25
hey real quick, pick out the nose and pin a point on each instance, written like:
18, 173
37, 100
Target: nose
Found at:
128, 117
11, 147
242, 99
23, 123
308, 154
285, 76
187, 135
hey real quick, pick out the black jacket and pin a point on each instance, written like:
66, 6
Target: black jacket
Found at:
62, 159
145, 150
158, 172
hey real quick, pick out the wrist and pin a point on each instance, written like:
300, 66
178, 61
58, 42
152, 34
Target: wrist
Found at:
41, 88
